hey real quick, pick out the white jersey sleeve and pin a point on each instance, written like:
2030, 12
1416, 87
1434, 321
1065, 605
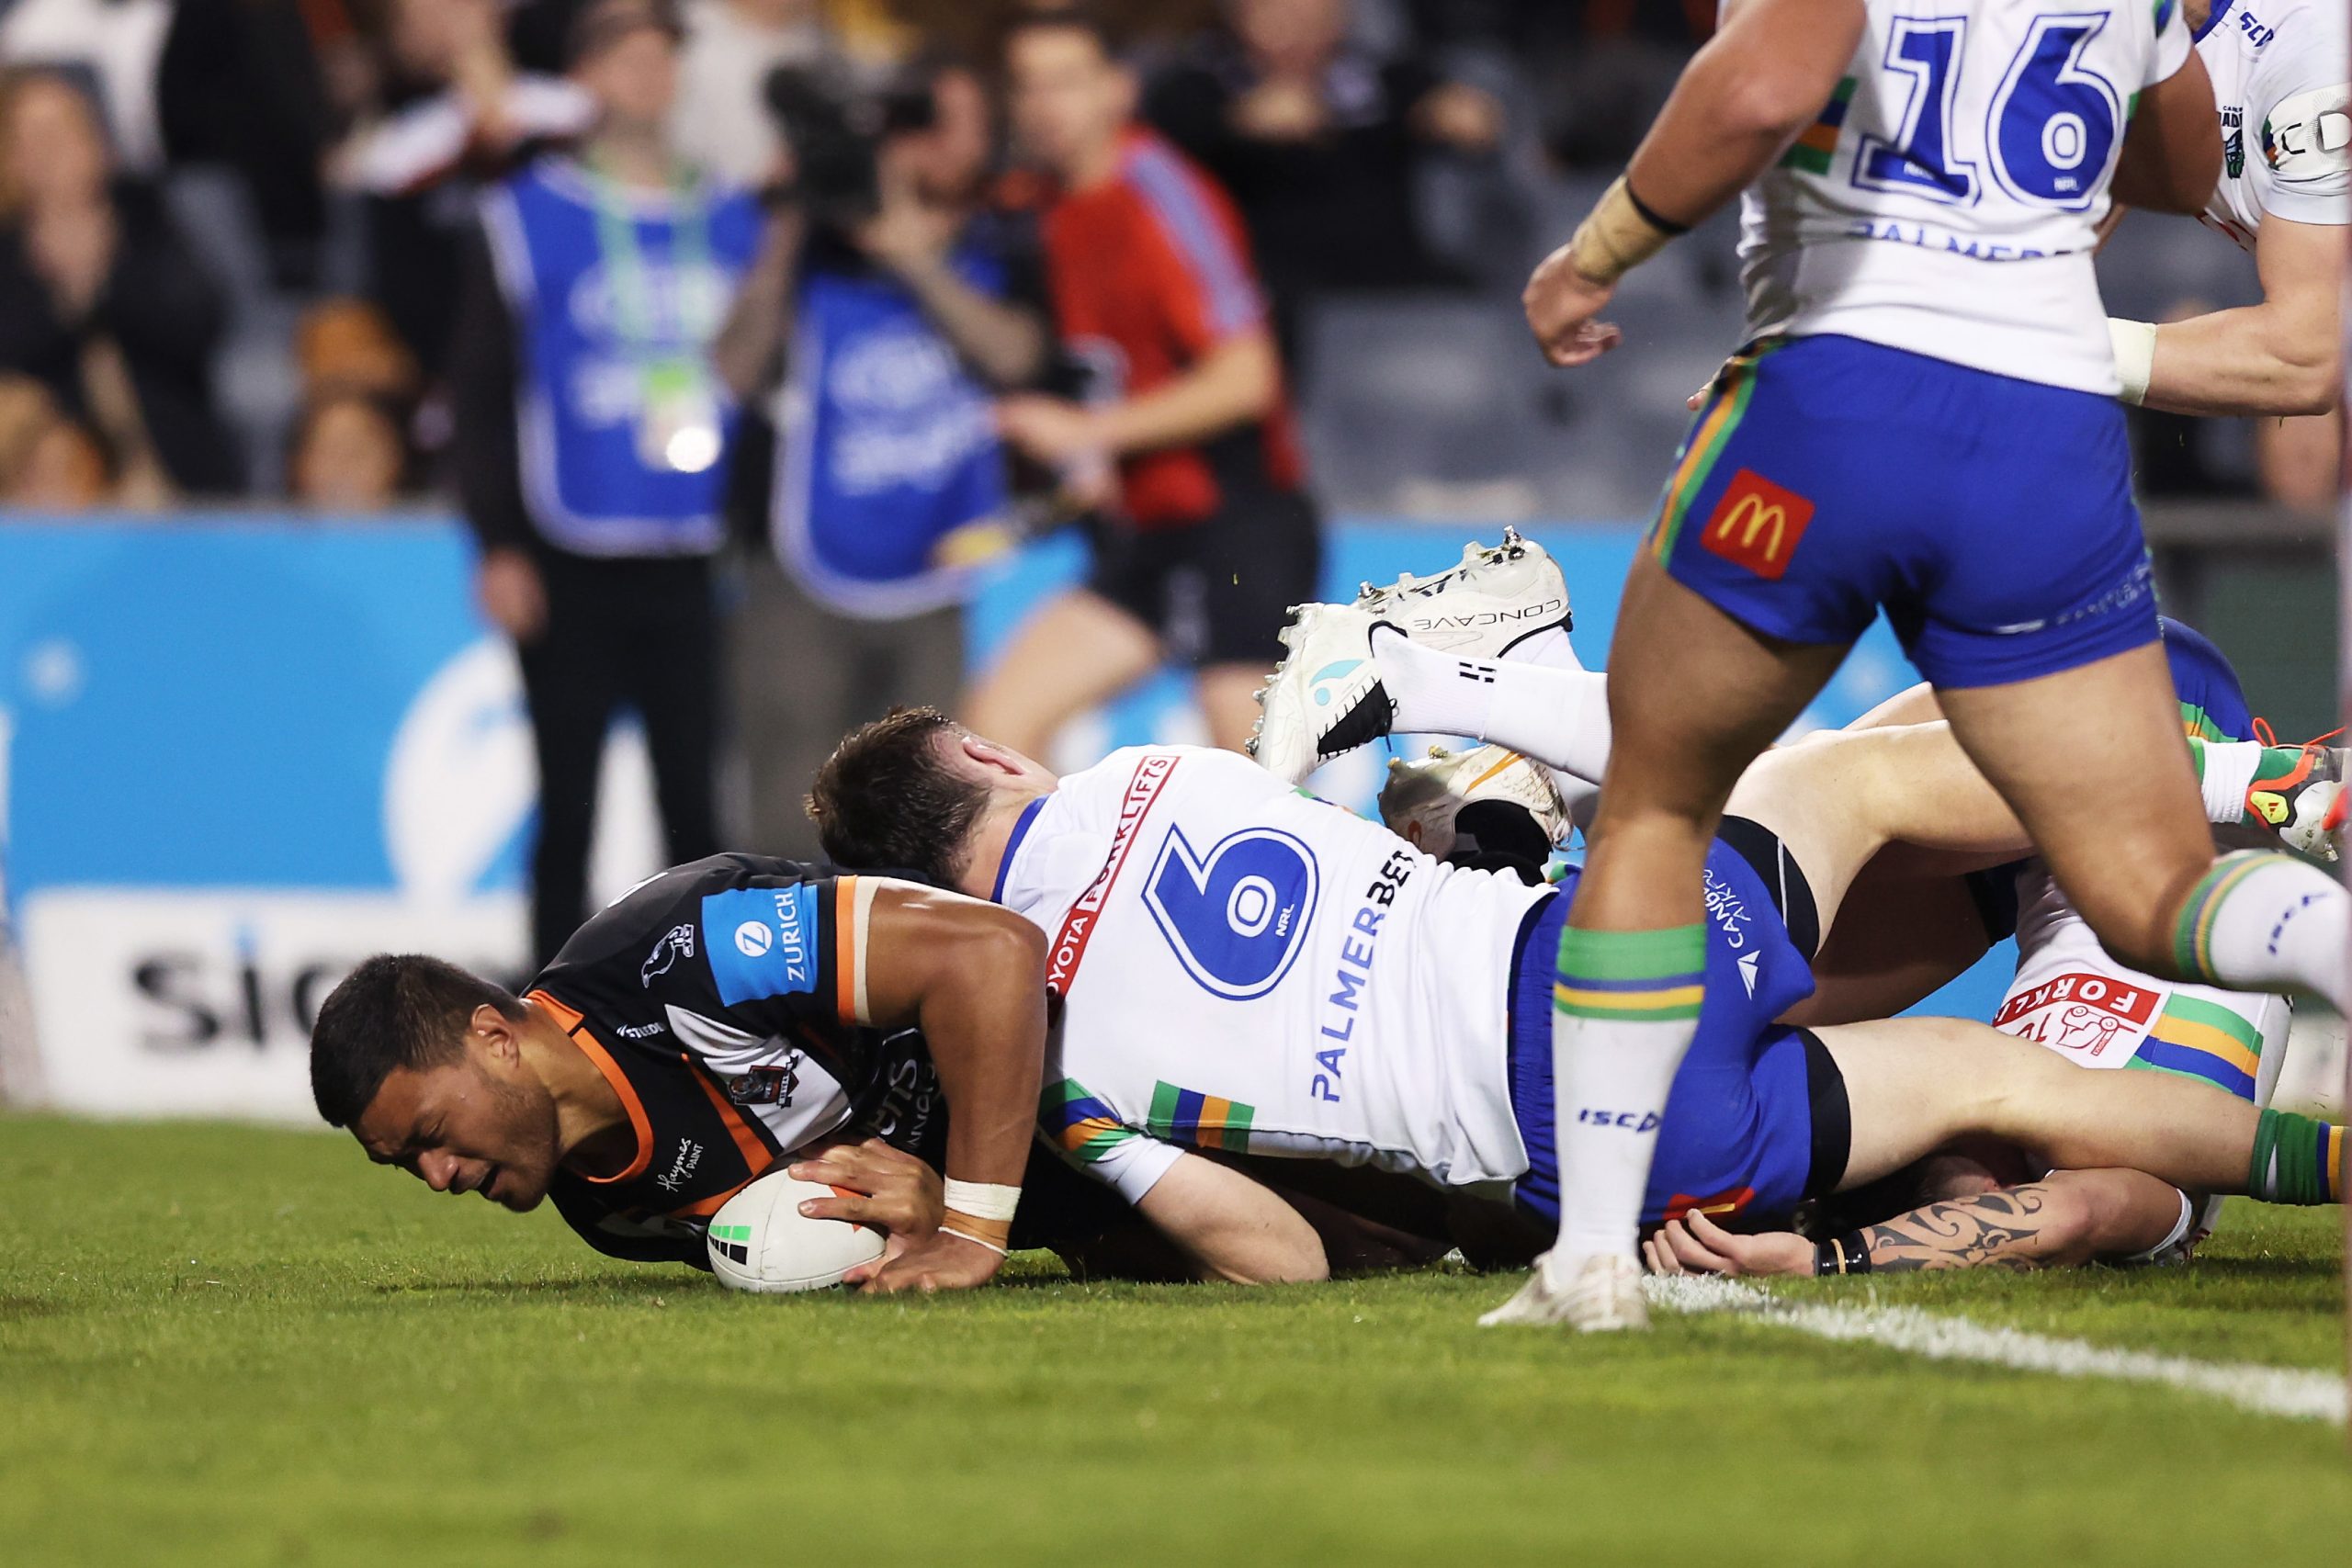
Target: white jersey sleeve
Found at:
2174, 43
1092, 1138
2278, 70
1946, 201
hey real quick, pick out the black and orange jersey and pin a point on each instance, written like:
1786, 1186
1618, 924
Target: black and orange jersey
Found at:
725, 1003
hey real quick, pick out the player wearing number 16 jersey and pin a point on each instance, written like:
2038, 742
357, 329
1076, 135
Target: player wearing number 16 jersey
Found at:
1923, 420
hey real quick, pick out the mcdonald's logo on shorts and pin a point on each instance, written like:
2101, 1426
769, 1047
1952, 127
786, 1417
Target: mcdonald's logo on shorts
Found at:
1757, 524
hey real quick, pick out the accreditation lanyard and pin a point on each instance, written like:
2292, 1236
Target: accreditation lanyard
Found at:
677, 425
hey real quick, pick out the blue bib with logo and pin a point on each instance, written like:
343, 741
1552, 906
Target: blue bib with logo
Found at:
585, 350
888, 444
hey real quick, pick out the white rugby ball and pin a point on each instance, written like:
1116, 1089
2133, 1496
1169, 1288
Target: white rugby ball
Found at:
761, 1241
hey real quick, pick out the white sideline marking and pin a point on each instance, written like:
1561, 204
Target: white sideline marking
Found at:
2267, 1391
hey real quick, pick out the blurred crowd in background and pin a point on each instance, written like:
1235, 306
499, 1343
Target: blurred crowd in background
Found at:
804, 306
231, 230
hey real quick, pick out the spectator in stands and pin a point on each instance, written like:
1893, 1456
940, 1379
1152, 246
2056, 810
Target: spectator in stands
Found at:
590, 443
469, 117
347, 454
1317, 140
1210, 534
116, 48
732, 45
901, 327
48, 463
100, 298
344, 344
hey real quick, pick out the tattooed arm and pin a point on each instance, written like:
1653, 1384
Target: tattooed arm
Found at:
2068, 1217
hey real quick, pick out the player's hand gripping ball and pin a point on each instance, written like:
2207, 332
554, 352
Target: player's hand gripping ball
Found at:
761, 1241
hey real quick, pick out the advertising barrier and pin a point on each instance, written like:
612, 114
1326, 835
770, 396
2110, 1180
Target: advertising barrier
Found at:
239, 754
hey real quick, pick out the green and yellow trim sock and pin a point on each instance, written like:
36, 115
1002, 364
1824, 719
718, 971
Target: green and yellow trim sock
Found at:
1624, 1011
1631, 976
2296, 1160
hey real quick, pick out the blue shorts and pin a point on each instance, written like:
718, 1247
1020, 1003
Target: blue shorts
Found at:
1825, 477
2212, 704
1739, 1133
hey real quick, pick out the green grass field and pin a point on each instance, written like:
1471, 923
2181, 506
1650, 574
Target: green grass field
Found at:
225, 1346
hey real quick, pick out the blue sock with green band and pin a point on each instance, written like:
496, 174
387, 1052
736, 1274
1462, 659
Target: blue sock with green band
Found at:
2265, 921
2296, 1160
1623, 1012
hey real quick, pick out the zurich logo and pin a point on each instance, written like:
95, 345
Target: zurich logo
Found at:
752, 938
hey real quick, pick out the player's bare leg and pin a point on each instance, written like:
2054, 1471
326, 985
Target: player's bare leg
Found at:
1913, 1085
2132, 848
1228, 697
1693, 697
1078, 650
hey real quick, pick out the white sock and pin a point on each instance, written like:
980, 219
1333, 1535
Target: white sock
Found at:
1623, 1016
2225, 773
1559, 716
1549, 649
2263, 921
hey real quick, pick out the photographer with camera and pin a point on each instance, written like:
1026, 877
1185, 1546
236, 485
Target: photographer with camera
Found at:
593, 423
896, 305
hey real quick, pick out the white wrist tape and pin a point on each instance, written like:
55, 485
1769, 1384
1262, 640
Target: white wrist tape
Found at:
983, 1199
2135, 355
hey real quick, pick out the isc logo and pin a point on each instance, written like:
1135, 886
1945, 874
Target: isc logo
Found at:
1757, 524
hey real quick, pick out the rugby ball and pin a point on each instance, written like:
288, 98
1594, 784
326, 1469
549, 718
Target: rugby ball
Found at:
761, 1241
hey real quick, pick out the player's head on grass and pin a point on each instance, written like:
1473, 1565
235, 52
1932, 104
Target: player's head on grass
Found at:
438, 1071
914, 792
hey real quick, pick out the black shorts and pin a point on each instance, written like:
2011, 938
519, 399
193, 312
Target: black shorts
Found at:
1216, 590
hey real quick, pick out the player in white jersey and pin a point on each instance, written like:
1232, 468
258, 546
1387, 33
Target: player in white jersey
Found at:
2285, 194
1924, 181
1241, 967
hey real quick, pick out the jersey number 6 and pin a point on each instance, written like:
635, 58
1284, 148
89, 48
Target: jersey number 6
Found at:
1237, 917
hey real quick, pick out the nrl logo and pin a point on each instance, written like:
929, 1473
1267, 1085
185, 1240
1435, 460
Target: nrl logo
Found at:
2233, 144
677, 942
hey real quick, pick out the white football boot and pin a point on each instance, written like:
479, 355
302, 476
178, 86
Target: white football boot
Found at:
1598, 1294
1482, 608
2305, 805
1430, 792
1325, 698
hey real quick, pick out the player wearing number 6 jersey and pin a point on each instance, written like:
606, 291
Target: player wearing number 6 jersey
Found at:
1923, 420
1242, 968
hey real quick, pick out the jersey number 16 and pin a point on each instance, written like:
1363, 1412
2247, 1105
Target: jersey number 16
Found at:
2047, 136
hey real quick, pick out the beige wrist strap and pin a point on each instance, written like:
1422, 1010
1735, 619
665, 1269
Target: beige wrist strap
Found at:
1617, 236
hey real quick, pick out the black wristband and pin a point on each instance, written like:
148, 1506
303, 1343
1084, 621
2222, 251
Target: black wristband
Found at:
1650, 215
1848, 1254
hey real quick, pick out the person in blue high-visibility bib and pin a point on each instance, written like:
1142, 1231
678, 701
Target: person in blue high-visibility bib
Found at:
592, 435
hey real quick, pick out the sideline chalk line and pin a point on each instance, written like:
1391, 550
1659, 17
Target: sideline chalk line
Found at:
2267, 1391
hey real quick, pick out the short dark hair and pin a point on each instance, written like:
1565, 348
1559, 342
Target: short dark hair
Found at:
887, 799
396, 1010
1062, 19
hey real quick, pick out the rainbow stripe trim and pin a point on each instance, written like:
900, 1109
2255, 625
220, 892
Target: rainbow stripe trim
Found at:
1813, 152
1204, 1120
2199, 724
2192, 941
1710, 434
2205, 1041
1080, 1124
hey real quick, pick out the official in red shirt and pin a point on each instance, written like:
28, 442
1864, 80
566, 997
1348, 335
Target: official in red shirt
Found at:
1207, 535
